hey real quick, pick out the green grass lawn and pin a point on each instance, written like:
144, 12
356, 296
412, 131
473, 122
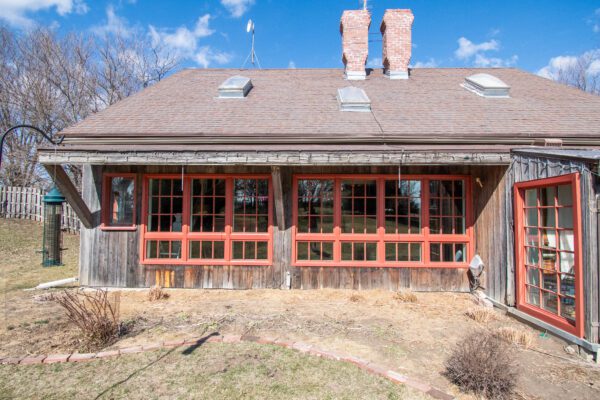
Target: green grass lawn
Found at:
21, 260
212, 371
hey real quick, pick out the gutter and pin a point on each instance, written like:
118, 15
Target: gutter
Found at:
593, 348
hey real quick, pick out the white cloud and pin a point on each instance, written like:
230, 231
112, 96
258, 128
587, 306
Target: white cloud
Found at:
15, 11
237, 8
431, 63
114, 24
590, 61
481, 60
206, 56
291, 65
476, 53
467, 49
184, 43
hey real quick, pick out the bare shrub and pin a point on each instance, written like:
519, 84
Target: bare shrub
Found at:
483, 364
157, 293
406, 297
481, 315
515, 336
94, 313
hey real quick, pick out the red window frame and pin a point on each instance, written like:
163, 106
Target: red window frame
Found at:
424, 237
519, 211
106, 206
186, 236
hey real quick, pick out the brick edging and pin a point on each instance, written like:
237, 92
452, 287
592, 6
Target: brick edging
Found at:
301, 347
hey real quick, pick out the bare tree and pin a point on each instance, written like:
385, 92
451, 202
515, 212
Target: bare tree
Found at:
582, 72
53, 81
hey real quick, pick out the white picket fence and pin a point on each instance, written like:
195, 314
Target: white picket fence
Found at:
26, 203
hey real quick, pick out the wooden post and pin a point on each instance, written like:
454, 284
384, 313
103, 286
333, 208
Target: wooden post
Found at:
66, 187
283, 233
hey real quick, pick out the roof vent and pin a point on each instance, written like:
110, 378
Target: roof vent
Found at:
353, 99
487, 85
236, 87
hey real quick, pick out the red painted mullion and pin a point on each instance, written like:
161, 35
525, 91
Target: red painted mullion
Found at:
337, 220
228, 217
381, 220
186, 218
425, 222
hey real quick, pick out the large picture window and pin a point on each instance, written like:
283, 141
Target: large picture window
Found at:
381, 220
207, 220
548, 231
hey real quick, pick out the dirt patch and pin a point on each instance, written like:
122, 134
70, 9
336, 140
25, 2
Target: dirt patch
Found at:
414, 338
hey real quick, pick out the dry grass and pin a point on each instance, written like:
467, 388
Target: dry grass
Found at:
157, 293
20, 261
483, 364
515, 336
481, 315
406, 297
356, 298
214, 371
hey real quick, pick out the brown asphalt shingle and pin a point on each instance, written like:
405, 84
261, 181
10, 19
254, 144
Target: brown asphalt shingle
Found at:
300, 106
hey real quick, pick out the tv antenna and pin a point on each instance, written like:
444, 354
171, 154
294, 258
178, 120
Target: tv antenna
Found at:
252, 56
365, 5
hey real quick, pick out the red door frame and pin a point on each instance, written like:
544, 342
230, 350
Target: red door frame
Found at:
186, 236
538, 312
381, 237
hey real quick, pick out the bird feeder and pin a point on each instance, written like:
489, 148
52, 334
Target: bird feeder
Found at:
52, 241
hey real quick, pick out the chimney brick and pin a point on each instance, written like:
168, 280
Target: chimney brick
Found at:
396, 29
354, 28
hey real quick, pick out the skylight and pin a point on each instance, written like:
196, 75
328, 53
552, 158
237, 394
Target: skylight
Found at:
487, 85
353, 99
236, 87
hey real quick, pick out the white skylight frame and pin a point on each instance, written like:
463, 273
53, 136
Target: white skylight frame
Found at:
354, 99
235, 87
486, 85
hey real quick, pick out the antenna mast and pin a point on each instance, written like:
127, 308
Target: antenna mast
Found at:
252, 56
365, 5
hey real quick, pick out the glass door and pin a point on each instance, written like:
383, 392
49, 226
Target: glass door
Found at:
548, 250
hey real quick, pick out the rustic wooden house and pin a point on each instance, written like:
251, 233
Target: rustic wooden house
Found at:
347, 178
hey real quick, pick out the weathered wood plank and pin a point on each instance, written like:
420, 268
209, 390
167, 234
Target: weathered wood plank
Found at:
66, 187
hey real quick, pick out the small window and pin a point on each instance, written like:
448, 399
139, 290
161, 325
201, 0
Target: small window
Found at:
119, 202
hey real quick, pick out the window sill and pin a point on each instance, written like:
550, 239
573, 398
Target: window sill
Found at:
109, 228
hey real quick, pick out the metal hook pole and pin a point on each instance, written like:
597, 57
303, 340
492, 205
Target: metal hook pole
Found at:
31, 127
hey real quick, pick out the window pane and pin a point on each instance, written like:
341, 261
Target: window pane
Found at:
531, 217
532, 237
435, 252
567, 262
567, 308
547, 195
448, 252
548, 259
550, 302
533, 296
565, 195
533, 276
567, 285
533, 256
548, 217
415, 252
302, 251
531, 198
122, 201
565, 217
151, 249
549, 281
447, 207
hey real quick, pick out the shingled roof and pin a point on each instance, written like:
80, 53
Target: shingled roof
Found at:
300, 106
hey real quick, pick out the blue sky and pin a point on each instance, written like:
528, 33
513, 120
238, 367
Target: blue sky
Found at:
524, 33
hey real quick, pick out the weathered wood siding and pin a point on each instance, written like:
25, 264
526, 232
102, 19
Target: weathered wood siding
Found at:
112, 258
526, 168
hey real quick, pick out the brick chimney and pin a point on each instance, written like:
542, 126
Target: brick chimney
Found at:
396, 29
354, 28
